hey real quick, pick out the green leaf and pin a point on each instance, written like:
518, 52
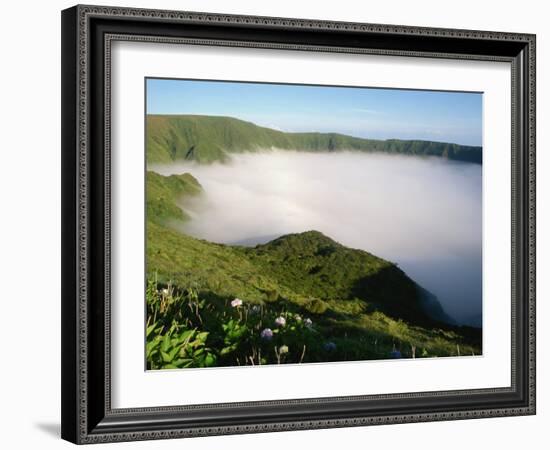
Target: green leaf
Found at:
181, 362
173, 353
185, 336
152, 345
202, 336
150, 329
228, 326
194, 344
210, 360
165, 342
228, 349
165, 357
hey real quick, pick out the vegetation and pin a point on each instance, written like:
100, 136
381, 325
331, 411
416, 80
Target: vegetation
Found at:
299, 298
185, 329
209, 138
163, 194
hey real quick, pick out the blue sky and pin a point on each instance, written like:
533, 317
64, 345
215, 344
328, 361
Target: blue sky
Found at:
363, 112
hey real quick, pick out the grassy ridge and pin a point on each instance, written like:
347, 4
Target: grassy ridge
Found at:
163, 194
362, 306
210, 138
316, 280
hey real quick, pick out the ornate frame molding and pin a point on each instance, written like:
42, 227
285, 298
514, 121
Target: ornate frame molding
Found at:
85, 422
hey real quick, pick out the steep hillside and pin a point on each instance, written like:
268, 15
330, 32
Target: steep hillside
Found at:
163, 194
210, 138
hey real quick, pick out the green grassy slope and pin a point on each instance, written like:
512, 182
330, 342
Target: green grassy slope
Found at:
163, 194
325, 274
211, 138
315, 266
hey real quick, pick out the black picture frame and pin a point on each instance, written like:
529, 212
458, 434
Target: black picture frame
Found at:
87, 416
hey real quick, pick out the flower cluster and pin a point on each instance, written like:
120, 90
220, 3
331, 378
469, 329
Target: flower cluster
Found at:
260, 333
267, 334
395, 354
330, 346
236, 303
283, 349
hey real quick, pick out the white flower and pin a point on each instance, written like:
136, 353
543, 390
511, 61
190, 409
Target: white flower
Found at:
280, 321
298, 318
283, 349
308, 322
237, 302
266, 334
165, 291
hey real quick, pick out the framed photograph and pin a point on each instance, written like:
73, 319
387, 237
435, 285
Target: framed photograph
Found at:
280, 224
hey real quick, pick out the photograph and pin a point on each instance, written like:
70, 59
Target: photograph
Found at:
276, 220
301, 224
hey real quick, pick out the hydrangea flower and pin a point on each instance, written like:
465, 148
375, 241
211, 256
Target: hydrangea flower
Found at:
280, 321
330, 346
266, 334
395, 354
308, 322
236, 303
283, 349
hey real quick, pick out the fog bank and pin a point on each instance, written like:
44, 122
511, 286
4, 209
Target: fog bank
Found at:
424, 214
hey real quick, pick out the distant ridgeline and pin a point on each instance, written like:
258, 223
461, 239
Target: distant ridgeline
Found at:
208, 139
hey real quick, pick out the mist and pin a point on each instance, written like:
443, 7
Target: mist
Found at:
424, 214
